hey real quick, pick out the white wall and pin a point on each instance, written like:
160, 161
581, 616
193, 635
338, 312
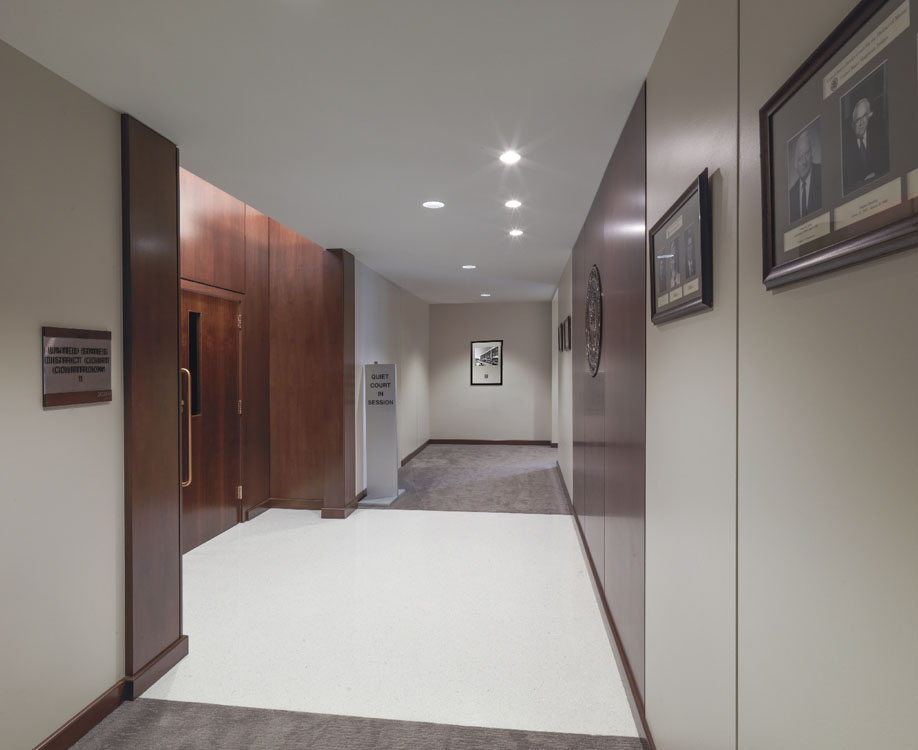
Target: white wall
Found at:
828, 491
565, 383
520, 409
391, 325
691, 398
62, 534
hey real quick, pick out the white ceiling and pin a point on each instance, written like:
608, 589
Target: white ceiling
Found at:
339, 117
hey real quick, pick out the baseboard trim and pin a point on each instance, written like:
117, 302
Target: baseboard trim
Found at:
137, 684
553, 445
79, 725
257, 510
294, 503
360, 496
490, 442
413, 453
624, 666
344, 512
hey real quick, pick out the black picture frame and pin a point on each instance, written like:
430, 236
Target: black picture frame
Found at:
861, 196
487, 348
567, 333
680, 254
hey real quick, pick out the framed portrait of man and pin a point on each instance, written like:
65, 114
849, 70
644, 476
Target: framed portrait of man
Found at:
839, 138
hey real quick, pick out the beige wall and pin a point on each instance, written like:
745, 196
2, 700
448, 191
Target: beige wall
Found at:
555, 385
691, 397
828, 492
565, 384
520, 409
62, 535
391, 325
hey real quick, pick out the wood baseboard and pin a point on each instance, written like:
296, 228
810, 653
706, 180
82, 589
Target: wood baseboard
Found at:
136, 684
360, 496
553, 445
490, 442
344, 512
411, 455
257, 510
293, 503
79, 725
624, 667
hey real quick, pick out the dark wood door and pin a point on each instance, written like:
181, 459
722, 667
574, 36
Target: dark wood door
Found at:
211, 390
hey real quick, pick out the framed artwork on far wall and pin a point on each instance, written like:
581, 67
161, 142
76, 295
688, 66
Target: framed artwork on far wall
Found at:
839, 152
681, 274
567, 333
487, 363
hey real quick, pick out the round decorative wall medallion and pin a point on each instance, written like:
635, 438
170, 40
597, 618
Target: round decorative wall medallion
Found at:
594, 320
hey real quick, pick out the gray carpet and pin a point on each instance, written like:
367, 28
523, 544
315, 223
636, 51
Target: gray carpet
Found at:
493, 478
169, 725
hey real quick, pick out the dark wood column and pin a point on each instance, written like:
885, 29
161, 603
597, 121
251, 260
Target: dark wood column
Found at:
339, 495
152, 510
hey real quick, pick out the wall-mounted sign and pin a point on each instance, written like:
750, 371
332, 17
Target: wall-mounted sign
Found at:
76, 366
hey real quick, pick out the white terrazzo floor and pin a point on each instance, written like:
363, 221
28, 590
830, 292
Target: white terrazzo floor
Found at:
480, 619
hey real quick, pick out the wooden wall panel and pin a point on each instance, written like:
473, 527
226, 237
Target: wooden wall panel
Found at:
153, 569
340, 405
299, 371
213, 234
609, 410
255, 399
623, 198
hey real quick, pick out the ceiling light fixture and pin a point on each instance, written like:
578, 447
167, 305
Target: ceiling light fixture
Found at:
469, 267
516, 232
509, 157
514, 203
485, 294
433, 204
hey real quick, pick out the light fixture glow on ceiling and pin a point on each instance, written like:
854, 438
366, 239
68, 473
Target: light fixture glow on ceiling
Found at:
516, 232
469, 267
433, 204
509, 157
485, 294
513, 203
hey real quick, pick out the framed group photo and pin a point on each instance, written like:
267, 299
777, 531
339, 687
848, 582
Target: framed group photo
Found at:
839, 152
681, 278
487, 362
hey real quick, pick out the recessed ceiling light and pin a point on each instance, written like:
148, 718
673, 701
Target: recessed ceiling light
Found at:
433, 204
509, 157
513, 203
485, 294
469, 267
516, 232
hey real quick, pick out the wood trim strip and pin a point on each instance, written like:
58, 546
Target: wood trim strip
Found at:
80, 333
411, 455
546, 443
624, 667
79, 725
211, 291
554, 445
137, 684
293, 503
341, 513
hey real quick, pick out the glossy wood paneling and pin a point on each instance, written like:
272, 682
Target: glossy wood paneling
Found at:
153, 572
213, 234
609, 410
340, 406
209, 504
255, 401
299, 369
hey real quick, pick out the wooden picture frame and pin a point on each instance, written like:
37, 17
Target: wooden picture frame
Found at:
680, 247
839, 154
486, 362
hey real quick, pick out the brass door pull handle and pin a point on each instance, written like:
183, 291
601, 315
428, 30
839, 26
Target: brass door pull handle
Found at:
186, 405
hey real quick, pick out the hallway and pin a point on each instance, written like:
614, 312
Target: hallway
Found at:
456, 618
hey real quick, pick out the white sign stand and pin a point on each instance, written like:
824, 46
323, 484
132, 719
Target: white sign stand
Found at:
381, 407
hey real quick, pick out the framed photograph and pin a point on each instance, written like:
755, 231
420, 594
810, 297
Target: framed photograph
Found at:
487, 363
567, 333
560, 333
681, 276
839, 153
